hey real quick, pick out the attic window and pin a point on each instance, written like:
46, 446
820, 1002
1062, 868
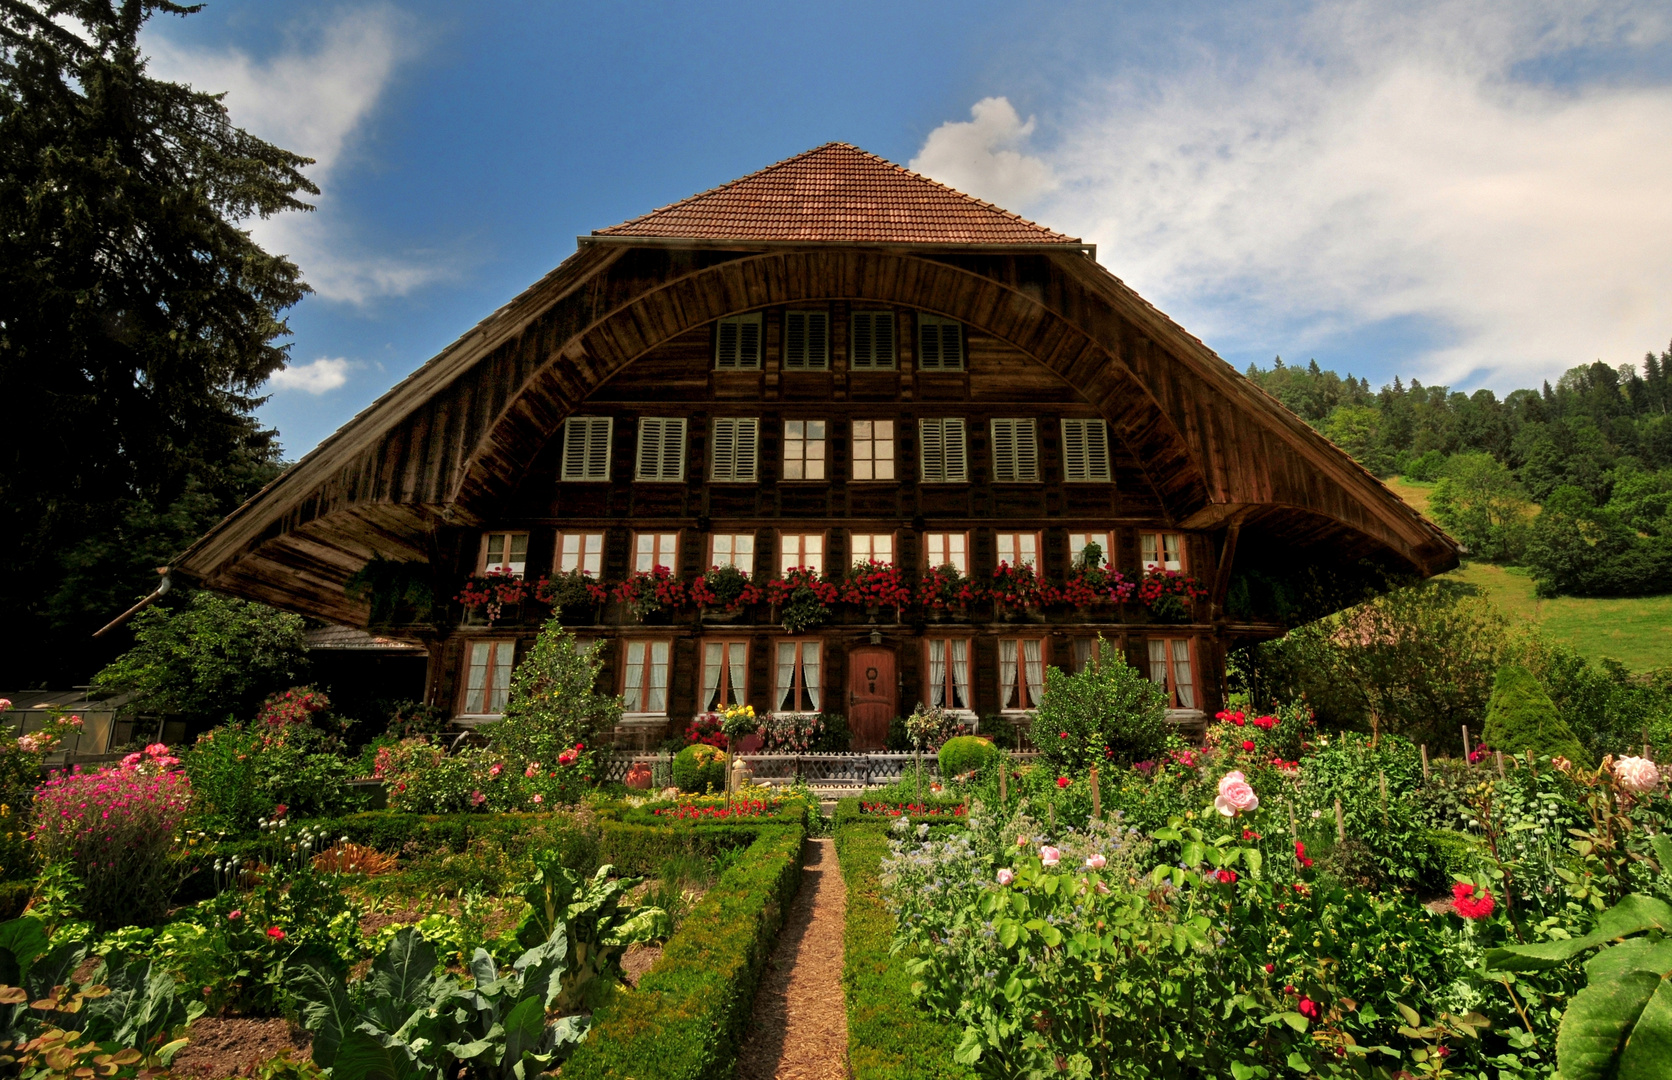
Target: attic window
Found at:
806, 340
661, 448
1085, 450
736, 440
871, 345
737, 343
1015, 452
942, 452
940, 344
586, 447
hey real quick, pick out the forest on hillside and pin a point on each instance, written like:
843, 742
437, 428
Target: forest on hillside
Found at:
1571, 480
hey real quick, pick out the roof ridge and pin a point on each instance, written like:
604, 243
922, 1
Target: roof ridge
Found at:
875, 199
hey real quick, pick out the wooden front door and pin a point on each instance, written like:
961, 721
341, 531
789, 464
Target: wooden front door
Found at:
873, 698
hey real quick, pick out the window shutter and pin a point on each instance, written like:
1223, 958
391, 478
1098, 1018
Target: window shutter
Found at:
748, 440
1027, 451
952, 440
586, 447
871, 345
1004, 450
1085, 450
735, 440
661, 448
940, 344
931, 451
737, 343
806, 340
724, 455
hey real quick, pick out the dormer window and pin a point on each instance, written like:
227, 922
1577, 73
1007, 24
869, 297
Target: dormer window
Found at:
504, 553
737, 343
940, 344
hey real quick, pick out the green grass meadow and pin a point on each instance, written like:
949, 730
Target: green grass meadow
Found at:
1636, 631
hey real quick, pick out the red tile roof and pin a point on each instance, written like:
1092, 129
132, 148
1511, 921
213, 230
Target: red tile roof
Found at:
838, 192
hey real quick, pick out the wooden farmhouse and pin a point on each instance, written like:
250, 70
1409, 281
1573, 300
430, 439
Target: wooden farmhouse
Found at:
828, 362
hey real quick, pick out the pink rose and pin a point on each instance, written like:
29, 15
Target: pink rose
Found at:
1637, 774
1049, 855
1006, 876
1235, 796
1096, 862
539, 798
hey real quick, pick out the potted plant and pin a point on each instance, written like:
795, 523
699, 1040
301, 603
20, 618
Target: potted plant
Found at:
802, 599
651, 592
1089, 584
736, 721
874, 585
946, 591
570, 591
723, 592
1169, 595
488, 595
1018, 592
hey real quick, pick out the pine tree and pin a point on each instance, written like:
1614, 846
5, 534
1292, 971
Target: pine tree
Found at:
1521, 717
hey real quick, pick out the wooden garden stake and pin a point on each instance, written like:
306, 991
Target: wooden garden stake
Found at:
1500, 754
1340, 823
1004, 771
1532, 766
1294, 829
1382, 777
1465, 742
1096, 797
1425, 762
1051, 813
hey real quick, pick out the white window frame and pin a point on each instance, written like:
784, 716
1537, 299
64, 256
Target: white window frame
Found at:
804, 545
661, 453
737, 343
499, 658
808, 695
724, 673
1015, 450
658, 550
638, 676
734, 454
1085, 452
1152, 551
1022, 677
807, 340
489, 560
947, 548
583, 551
934, 334
866, 346
877, 462
587, 442
734, 554
943, 450
1017, 549
808, 460
863, 548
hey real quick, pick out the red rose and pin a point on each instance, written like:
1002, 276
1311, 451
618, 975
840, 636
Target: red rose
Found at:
1063, 781
1309, 1008
275, 933
1227, 877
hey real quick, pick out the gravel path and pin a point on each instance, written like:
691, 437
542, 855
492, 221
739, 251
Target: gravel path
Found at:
800, 1027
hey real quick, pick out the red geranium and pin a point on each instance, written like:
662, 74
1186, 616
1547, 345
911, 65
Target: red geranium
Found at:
1466, 904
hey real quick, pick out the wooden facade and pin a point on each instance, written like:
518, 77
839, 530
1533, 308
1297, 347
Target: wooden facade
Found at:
627, 330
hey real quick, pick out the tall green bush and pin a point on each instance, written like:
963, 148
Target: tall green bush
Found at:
965, 753
700, 768
1110, 712
1521, 717
554, 701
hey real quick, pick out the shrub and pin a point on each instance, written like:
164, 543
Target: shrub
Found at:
421, 776
213, 657
554, 704
116, 829
242, 773
1108, 712
965, 753
1521, 717
700, 768
791, 733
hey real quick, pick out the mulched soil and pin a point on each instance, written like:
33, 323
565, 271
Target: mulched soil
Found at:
800, 1028
637, 960
233, 1046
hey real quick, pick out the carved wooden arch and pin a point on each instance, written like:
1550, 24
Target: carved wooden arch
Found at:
579, 365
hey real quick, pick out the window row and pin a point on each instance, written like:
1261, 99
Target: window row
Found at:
797, 664
738, 341
507, 552
943, 457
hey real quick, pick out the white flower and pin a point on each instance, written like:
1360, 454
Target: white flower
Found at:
1637, 774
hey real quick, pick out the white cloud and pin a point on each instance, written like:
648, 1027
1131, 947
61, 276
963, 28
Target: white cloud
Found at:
979, 156
316, 377
1378, 166
312, 97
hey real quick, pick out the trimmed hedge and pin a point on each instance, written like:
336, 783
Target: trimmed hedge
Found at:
639, 842
889, 1036
687, 1016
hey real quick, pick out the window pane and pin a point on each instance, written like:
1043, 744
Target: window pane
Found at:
476, 677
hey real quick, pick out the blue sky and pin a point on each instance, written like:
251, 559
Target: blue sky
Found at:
1473, 193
